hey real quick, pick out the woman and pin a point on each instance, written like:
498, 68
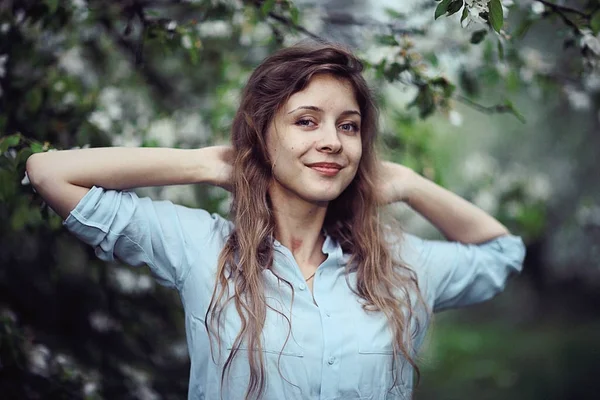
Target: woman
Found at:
305, 293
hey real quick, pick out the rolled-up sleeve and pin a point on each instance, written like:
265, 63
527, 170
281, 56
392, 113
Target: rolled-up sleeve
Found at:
454, 274
138, 231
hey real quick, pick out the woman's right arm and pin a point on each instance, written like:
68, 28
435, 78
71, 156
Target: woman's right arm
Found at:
63, 178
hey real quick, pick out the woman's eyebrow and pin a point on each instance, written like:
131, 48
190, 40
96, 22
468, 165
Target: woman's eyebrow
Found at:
313, 108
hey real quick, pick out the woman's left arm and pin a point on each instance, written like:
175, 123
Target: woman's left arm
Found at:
457, 219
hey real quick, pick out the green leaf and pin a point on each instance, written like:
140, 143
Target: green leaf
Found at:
267, 7
295, 15
464, 15
23, 155
387, 40
513, 110
523, 28
394, 70
37, 147
52, 5
393, 13
595, 22
500, 50
442, 8
478, 36
455, 7
496, 15
9, 141
33, 99
424, 102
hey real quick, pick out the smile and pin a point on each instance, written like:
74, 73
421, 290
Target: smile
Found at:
327, 169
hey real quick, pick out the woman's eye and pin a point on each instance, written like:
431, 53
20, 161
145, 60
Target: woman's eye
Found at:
349, 127
305, 122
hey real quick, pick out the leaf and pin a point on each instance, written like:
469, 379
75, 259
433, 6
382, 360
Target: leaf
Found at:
424, 102
267, 7
464, 15
595, 22
513, 110
441, 8
37, 147
33, 99
9, 141
23, 155
295, 15
455, 7
52, 5
500, 50
478, 36
394, 70
387, 40
393, 13
496, 15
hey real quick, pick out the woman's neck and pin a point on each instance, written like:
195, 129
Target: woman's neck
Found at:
299, 226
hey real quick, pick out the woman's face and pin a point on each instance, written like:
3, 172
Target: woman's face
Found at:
314, 142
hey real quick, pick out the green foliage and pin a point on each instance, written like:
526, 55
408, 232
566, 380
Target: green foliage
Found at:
184, 60
496, 15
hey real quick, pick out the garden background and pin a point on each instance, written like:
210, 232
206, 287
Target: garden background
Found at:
498, 101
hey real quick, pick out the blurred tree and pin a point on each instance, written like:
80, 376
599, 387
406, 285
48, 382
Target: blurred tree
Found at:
167, 73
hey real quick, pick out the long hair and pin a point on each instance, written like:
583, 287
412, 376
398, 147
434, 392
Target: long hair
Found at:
352, 219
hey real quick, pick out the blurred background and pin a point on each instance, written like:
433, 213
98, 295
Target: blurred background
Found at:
497, 101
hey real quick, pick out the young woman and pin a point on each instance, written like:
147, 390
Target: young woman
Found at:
306, 292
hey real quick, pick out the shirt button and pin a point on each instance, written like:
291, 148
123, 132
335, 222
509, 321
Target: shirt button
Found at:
302, 286
331, 360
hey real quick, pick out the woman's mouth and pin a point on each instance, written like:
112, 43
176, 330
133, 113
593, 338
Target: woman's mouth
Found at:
327, 169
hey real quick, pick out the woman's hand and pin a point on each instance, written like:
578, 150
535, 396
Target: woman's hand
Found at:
452, 215
394, 182
219, 164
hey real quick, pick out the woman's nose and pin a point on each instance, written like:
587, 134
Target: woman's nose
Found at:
330, 141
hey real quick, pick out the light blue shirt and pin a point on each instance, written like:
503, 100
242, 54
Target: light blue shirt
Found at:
336, 350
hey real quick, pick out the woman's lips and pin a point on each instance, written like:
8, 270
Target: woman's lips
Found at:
327, 169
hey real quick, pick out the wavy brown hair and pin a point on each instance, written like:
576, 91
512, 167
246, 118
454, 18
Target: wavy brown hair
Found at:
352, 219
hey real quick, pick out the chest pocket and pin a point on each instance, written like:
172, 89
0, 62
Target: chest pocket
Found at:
376, 351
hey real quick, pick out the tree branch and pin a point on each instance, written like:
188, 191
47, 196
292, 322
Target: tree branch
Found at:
561, 12
290, 24
559, 8
495, 109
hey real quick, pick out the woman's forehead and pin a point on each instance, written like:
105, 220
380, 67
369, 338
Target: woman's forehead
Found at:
326, 93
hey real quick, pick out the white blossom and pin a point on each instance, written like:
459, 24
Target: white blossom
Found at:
101, 120
102, 322
179, 350
474, 9
578, 99
588, 215
3, 59
186, 41
513, 208
537, 7
72, 61
487, 201
59, 86
590, 41
128, 137
163, 131
39, 359
19, 16
90, 388
455, 118
131, 282
478, 166
4, 27
214, 29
